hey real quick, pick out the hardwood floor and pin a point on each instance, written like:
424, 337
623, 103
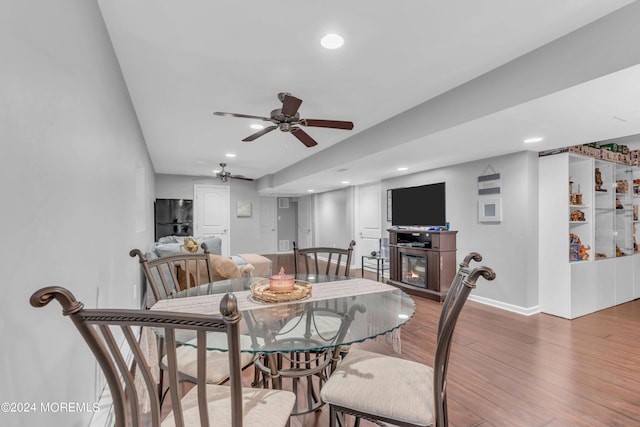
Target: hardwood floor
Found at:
512, 370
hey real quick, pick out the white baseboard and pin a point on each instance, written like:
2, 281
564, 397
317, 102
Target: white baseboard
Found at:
525, 311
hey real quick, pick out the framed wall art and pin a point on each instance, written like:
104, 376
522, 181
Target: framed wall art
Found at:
243, 209
490, 209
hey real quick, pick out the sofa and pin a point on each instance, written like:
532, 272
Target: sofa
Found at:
248, 264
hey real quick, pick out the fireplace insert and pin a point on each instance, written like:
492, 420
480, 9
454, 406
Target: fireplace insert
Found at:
414, 269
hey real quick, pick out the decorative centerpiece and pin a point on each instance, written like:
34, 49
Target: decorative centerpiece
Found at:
280, 288
281, 282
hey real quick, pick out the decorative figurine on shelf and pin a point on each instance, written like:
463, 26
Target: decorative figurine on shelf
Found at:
578, 197
584, 254
577, 215
599, 180
619, 251
571, 198
577, 251
622, 186
619, 204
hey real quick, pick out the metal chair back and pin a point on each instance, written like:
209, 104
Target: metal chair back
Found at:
323, 260
462, 285
170, 274
111, 336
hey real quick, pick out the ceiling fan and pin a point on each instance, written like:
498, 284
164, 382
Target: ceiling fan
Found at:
225, 175
287, 119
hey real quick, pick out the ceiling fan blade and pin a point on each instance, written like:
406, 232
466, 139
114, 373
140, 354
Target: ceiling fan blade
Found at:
242, 116
241, 177
290, 105
260, 133
334, 124
303, 137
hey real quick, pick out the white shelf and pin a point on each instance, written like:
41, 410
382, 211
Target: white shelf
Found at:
568, 287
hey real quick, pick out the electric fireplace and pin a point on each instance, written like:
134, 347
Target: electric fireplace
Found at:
422, 262
414, 269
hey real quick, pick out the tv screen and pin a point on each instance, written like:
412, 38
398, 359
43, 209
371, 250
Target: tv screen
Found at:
422, 206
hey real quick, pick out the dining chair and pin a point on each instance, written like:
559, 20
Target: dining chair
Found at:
169, 275
323, 260
111, 336
419, 391
165, 277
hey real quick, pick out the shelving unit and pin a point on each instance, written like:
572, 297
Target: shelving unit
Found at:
598, 268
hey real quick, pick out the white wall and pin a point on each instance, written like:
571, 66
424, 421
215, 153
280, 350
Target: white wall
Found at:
76, 186
510, 247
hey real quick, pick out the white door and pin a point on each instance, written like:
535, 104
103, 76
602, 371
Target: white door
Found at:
305, 222
268, 225
368, 221
211, 213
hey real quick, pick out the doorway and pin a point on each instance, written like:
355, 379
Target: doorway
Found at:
211, 213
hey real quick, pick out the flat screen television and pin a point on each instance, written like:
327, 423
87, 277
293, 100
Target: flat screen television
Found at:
422, 206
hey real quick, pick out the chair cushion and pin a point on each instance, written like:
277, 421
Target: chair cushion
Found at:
397, 389
260, 407
217, 362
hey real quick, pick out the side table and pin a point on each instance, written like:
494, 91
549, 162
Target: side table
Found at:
374, 262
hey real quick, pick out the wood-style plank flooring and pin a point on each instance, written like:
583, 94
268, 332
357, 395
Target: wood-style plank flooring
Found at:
512, 370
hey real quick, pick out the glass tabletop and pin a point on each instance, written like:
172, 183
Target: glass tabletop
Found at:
341, 311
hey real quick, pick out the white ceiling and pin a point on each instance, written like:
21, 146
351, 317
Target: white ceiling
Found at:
440, 68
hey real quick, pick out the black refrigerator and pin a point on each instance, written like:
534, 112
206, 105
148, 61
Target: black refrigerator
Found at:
174, 217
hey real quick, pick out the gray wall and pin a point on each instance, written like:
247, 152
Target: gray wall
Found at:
245, 231
333, 213
510, 247
77, 188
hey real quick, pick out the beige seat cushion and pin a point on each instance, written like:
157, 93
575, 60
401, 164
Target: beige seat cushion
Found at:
261, 407
395, 388
217, 362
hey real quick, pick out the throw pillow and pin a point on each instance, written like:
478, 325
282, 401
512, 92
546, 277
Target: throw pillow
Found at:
214, 244
167, 249
190, 245
223, 268
182, 279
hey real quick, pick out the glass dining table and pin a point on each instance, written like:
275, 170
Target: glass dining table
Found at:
300, 341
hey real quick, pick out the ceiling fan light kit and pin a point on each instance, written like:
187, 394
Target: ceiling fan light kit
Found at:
287, 119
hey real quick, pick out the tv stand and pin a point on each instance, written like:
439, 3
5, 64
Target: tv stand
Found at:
436, 249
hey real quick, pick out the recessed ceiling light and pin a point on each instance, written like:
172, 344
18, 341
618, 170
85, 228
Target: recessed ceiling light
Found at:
230, 155
344, 182
532, 140
332, 41
216, 171
309, 191
403, 168
256, 126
